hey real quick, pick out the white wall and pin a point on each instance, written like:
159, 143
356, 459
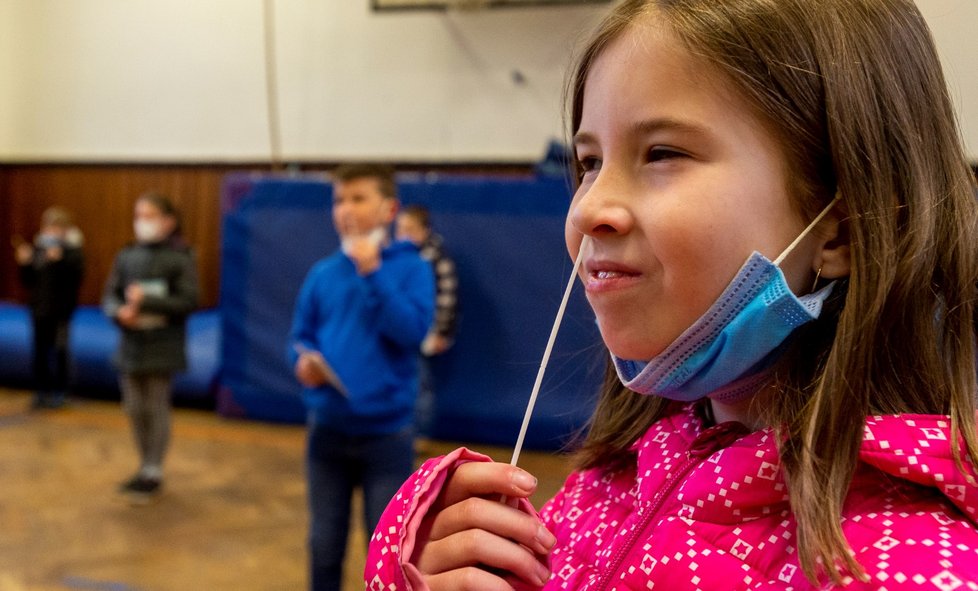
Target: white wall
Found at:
955, 27
184, 80
6, 74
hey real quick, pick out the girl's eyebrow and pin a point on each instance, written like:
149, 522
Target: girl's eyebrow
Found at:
649, 126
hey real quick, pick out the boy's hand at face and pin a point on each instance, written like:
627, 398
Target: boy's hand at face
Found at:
365, 254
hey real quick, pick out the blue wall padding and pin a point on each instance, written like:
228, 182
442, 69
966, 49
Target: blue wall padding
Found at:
92, 341
15, 344
506, 236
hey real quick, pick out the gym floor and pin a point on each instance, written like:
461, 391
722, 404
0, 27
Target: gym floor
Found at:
232, 514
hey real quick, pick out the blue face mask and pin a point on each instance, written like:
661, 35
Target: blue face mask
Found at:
734, 339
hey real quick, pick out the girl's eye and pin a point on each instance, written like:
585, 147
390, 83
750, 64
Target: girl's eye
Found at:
659, 153
588, 164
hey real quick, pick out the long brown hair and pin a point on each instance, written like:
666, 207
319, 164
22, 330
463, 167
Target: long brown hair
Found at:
854, 92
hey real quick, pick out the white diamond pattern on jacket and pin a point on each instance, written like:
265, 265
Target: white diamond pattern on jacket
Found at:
726, 524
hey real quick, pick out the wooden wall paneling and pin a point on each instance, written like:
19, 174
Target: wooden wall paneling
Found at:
101, 197
7, 268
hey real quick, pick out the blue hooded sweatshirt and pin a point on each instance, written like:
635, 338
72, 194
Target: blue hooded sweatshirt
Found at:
369, 330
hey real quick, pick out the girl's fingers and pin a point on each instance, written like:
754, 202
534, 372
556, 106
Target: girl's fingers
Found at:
458, 553
467, 579
495, 517
487, 479
473, 539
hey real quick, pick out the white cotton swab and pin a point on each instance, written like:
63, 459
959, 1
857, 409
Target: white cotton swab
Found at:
546, 353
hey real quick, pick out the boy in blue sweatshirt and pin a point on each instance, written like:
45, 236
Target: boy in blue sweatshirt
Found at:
361, 314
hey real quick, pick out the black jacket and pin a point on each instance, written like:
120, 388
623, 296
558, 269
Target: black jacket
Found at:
53, 284
167, 272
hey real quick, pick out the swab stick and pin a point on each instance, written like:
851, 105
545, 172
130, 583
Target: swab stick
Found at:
546, 353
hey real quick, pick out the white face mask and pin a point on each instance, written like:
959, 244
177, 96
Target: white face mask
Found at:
147, 231
377, 236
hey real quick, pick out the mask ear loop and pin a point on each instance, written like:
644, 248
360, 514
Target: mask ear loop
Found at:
818, 218
546, 353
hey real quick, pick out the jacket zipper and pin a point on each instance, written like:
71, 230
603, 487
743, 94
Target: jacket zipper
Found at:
723, 436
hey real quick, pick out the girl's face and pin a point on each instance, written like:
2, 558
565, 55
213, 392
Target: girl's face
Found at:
680, 184
149, 223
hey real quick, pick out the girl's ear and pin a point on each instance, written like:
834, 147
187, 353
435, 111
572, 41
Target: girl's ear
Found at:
833, 256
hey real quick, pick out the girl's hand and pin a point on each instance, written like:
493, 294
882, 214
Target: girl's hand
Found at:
470, 540
135, 294
127, 315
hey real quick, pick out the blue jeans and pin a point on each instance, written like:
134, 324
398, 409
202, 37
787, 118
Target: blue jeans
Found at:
336, 464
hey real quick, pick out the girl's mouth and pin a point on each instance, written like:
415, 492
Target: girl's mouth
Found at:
603, 276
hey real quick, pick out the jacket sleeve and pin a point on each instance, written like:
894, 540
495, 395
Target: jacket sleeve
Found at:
74, 267
406, 308
392, 544
112, 294
305, 319
27, 273
552, 512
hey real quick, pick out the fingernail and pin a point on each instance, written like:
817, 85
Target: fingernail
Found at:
524, 480
543, 574
545, 538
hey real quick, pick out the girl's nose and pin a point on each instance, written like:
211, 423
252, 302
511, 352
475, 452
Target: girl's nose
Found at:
601, 207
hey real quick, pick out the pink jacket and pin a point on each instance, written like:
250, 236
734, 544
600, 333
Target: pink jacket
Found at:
708, 509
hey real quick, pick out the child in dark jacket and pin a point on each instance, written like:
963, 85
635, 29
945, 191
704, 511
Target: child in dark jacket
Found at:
150, 292
51, 269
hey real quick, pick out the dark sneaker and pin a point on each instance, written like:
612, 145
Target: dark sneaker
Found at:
128, 484
39, 401
141, 488
57, 400
43, 400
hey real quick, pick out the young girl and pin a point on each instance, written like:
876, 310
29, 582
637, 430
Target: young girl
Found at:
802, 419
150, 292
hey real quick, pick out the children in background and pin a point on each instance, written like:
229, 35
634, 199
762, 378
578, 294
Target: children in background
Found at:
359, 319
51, 269
413, 224
790, 422
150, 292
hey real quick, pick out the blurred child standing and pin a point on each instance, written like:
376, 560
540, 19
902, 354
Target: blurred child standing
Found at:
51, 270
150, 292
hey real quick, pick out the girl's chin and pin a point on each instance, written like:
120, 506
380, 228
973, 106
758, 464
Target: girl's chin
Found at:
631, 349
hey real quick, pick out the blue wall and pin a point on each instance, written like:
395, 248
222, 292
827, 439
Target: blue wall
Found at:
506, 236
